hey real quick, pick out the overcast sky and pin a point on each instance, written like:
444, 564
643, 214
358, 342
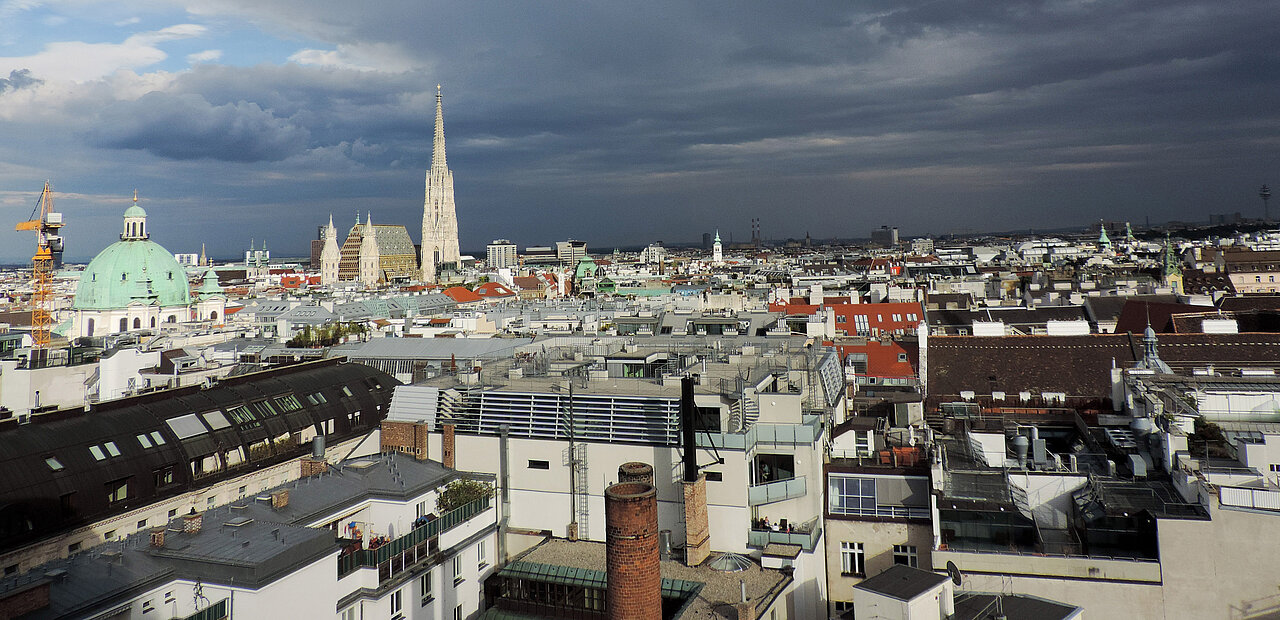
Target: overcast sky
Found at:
622, 123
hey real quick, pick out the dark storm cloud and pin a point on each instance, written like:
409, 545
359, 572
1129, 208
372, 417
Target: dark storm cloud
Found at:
18, 78
625, 123
185, 127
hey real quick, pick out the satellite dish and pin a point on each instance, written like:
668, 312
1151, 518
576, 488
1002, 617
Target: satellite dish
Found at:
954, 571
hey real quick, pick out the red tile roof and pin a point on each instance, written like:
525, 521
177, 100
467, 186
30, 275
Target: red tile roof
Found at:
461, 295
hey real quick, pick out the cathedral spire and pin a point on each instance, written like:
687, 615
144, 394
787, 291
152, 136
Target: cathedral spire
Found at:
437, 150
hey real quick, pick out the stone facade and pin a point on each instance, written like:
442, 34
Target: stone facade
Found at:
439, 216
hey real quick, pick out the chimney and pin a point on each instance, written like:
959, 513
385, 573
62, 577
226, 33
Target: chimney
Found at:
407, 437
192, 522
631, 552
746, 609
635, 471
312, 466
697, 542
280, 499
446, 442
157, 537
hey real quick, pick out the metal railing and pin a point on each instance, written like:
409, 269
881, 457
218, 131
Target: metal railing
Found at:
403, 552
897, 512
216, 611
803, 434
777, 491
806, 536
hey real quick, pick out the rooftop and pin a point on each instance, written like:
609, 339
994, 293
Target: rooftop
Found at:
720, 590
902, 582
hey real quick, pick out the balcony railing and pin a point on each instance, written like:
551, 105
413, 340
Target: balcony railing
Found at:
807, 539
216, 611
896, 512
780, 490
803, 434
419, 544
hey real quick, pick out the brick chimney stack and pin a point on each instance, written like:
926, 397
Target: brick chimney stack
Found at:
157, 536
635, 472
631, 550
191, 523
446, 445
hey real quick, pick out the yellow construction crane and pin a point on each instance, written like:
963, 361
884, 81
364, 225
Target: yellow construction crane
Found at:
46, 222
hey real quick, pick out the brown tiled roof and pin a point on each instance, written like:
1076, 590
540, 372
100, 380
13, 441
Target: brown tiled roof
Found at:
1079, 366
1137, 314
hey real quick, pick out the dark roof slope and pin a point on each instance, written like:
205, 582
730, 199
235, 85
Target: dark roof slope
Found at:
60, 469
902, 582
1078, 366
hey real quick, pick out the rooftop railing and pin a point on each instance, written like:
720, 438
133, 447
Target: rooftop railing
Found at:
806, 536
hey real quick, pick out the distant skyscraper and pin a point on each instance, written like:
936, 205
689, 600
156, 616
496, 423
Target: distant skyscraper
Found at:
501, 253
439, 217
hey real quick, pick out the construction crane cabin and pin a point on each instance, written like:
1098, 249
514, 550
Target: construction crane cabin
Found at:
46, 223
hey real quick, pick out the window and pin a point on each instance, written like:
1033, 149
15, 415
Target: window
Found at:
157, 438
902, 357
420, 510
346, 390
97, 453
173, 512
209, 502
142, 525
843, 606
536, 464
905, 554
148, 606
1275, 468
853, 559
853, 496
349, 613
396, 603
73, 547
56, 465
164, 477
117, 490
715, 476
110, 535
457, 569
112, 449
457, 613
144, 442
482, 555
11, 569
424, 586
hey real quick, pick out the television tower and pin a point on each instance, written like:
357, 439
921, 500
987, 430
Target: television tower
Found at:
1265, 195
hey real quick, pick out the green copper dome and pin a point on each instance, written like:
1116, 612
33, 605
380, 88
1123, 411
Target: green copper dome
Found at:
132, 270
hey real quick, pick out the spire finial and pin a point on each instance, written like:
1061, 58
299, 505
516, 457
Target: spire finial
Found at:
135, 195
438, 163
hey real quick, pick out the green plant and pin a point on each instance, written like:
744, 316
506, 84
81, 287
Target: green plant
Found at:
462, 492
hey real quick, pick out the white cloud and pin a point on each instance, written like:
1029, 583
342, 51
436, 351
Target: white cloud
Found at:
361, 57
128, 22
205, 56
77, 61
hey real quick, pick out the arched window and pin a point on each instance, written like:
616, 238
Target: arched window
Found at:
89, 328
124, 325
153, 321
173, 318
137, 323
213, 316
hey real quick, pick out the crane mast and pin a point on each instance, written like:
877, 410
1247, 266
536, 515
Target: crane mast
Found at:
46, 223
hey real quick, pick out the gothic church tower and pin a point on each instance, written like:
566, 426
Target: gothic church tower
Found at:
369, 259
330, 255
439, 217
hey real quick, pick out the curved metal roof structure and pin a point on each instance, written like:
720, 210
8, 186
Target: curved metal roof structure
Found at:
74, 467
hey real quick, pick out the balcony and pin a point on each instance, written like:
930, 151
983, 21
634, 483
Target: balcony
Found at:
770, 492
404, 552
216, 611
806, 536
